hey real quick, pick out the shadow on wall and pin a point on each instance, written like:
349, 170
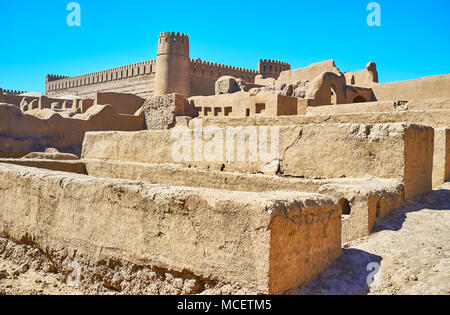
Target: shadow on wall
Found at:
21, 133
348, 275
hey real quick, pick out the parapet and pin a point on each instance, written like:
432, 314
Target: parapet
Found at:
59, 82
173, 35
54, 77
216, 70
173, 44
11, 92
272, 68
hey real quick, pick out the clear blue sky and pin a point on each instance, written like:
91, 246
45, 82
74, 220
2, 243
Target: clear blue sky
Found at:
413, 40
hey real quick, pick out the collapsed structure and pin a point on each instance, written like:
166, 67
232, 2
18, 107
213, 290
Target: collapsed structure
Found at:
214, 179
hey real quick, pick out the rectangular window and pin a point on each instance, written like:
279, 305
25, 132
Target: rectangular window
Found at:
228, 111
260, 108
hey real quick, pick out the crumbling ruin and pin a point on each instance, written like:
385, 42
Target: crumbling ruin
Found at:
226, 180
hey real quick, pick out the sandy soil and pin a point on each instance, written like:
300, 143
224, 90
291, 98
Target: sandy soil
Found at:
21, 280
409, 253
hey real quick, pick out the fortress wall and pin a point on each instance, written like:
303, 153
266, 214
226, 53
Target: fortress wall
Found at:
10, 92
11, 99
272, 68
424, 88
135, 79
265, 243
203, 76
139, 79
399, 151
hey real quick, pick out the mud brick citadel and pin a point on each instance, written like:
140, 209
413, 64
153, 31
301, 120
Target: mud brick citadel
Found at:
89, 170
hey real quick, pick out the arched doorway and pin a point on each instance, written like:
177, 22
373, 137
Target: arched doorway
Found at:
359, 99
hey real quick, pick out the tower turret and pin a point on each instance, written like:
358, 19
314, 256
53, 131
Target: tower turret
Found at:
272, 68
172, 65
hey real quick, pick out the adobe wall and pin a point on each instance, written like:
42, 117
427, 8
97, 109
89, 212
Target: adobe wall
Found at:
242, 104
309, 73
424, 88
10, 92
244, 240
434, 118
368, 198
134, 79
381, 106
75, 166
22, 133
364, 78
161, 112
172, 72
11, 99
123, 103
399, 151
272, 68
203, 76
441, 163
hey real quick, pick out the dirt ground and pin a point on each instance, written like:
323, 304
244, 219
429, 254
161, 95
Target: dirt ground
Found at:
408, 253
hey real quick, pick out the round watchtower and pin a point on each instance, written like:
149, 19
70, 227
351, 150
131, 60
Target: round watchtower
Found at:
172, 65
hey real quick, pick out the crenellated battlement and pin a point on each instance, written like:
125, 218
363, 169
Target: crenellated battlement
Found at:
215, 70
58, 82
275, 62
11, 92
272, 68
173, 44
201, 63
173, 35
54, 77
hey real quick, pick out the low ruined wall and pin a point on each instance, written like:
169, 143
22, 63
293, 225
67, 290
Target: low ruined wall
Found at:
21, 134
308, 73
123, 103
434, 118
363, 202
265, 243
383, 106
368, 198
241, 104
75, 166
441, 163
400, 151
161, 111
171, 174
424, 88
